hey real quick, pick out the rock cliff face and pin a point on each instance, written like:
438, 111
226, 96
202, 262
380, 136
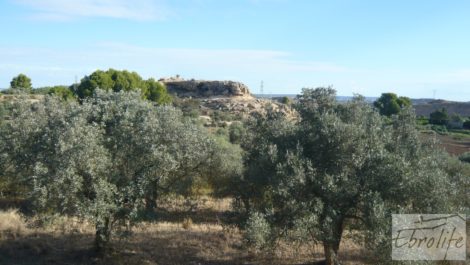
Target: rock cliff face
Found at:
205, 89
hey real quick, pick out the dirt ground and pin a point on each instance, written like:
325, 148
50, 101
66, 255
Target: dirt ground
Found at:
454, 146
184, 233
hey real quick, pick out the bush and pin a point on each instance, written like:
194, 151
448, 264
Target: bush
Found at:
189, 107
258, 231
439, 117
440, 129
466, 125
219, 115
422, 120
236, 132
465, 157
286, 100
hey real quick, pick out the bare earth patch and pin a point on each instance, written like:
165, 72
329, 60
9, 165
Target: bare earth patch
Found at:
202, 241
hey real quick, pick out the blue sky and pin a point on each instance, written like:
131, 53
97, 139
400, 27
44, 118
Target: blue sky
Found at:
413, 48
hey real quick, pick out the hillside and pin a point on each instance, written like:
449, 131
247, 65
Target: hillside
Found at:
426, 108
230, 97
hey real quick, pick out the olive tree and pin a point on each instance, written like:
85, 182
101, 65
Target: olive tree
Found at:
338, 164
104, 159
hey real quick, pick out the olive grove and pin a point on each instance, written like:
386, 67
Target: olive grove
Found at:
105, 160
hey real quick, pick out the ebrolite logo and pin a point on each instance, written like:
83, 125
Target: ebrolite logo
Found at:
428, 237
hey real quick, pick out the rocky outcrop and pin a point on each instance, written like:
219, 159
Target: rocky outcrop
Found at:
204, 89
244, 107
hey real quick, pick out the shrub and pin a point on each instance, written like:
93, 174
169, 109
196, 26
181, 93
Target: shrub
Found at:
286, 100
257, 231
440, 129
465, 157
236, 132
439, 117
466, 125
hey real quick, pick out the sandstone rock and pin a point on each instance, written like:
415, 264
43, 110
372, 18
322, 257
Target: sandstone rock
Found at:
205, 89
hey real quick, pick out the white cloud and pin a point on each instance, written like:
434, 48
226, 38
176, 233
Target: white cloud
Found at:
280, 70
249, 66
120, 9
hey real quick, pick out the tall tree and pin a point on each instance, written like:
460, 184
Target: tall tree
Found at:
21, 82
389, 104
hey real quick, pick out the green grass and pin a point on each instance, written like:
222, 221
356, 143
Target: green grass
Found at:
460, 134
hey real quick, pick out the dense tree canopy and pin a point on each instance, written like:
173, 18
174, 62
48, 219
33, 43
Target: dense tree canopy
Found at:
105, 159
439, 117
338, 162
114, 80
389, 104
21, 82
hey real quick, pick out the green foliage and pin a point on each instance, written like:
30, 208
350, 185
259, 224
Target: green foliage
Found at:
236, 132
439, 117
156, 92
339, 162
389, 104
189, 106
114, 80
440, 129
286, 100
63, 92
222, 132
258, 231
422, 120
465, 157
220, 116
105, 160
466, 124
226, 167
458, 170
21, 82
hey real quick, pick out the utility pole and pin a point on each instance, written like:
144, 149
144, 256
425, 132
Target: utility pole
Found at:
261, 92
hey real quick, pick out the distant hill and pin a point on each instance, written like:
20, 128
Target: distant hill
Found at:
339, 98
425, 108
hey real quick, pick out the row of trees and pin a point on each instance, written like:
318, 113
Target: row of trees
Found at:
110, 80
338, 166
389, 104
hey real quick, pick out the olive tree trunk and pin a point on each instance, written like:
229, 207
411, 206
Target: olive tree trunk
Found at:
331, 245
102, 235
